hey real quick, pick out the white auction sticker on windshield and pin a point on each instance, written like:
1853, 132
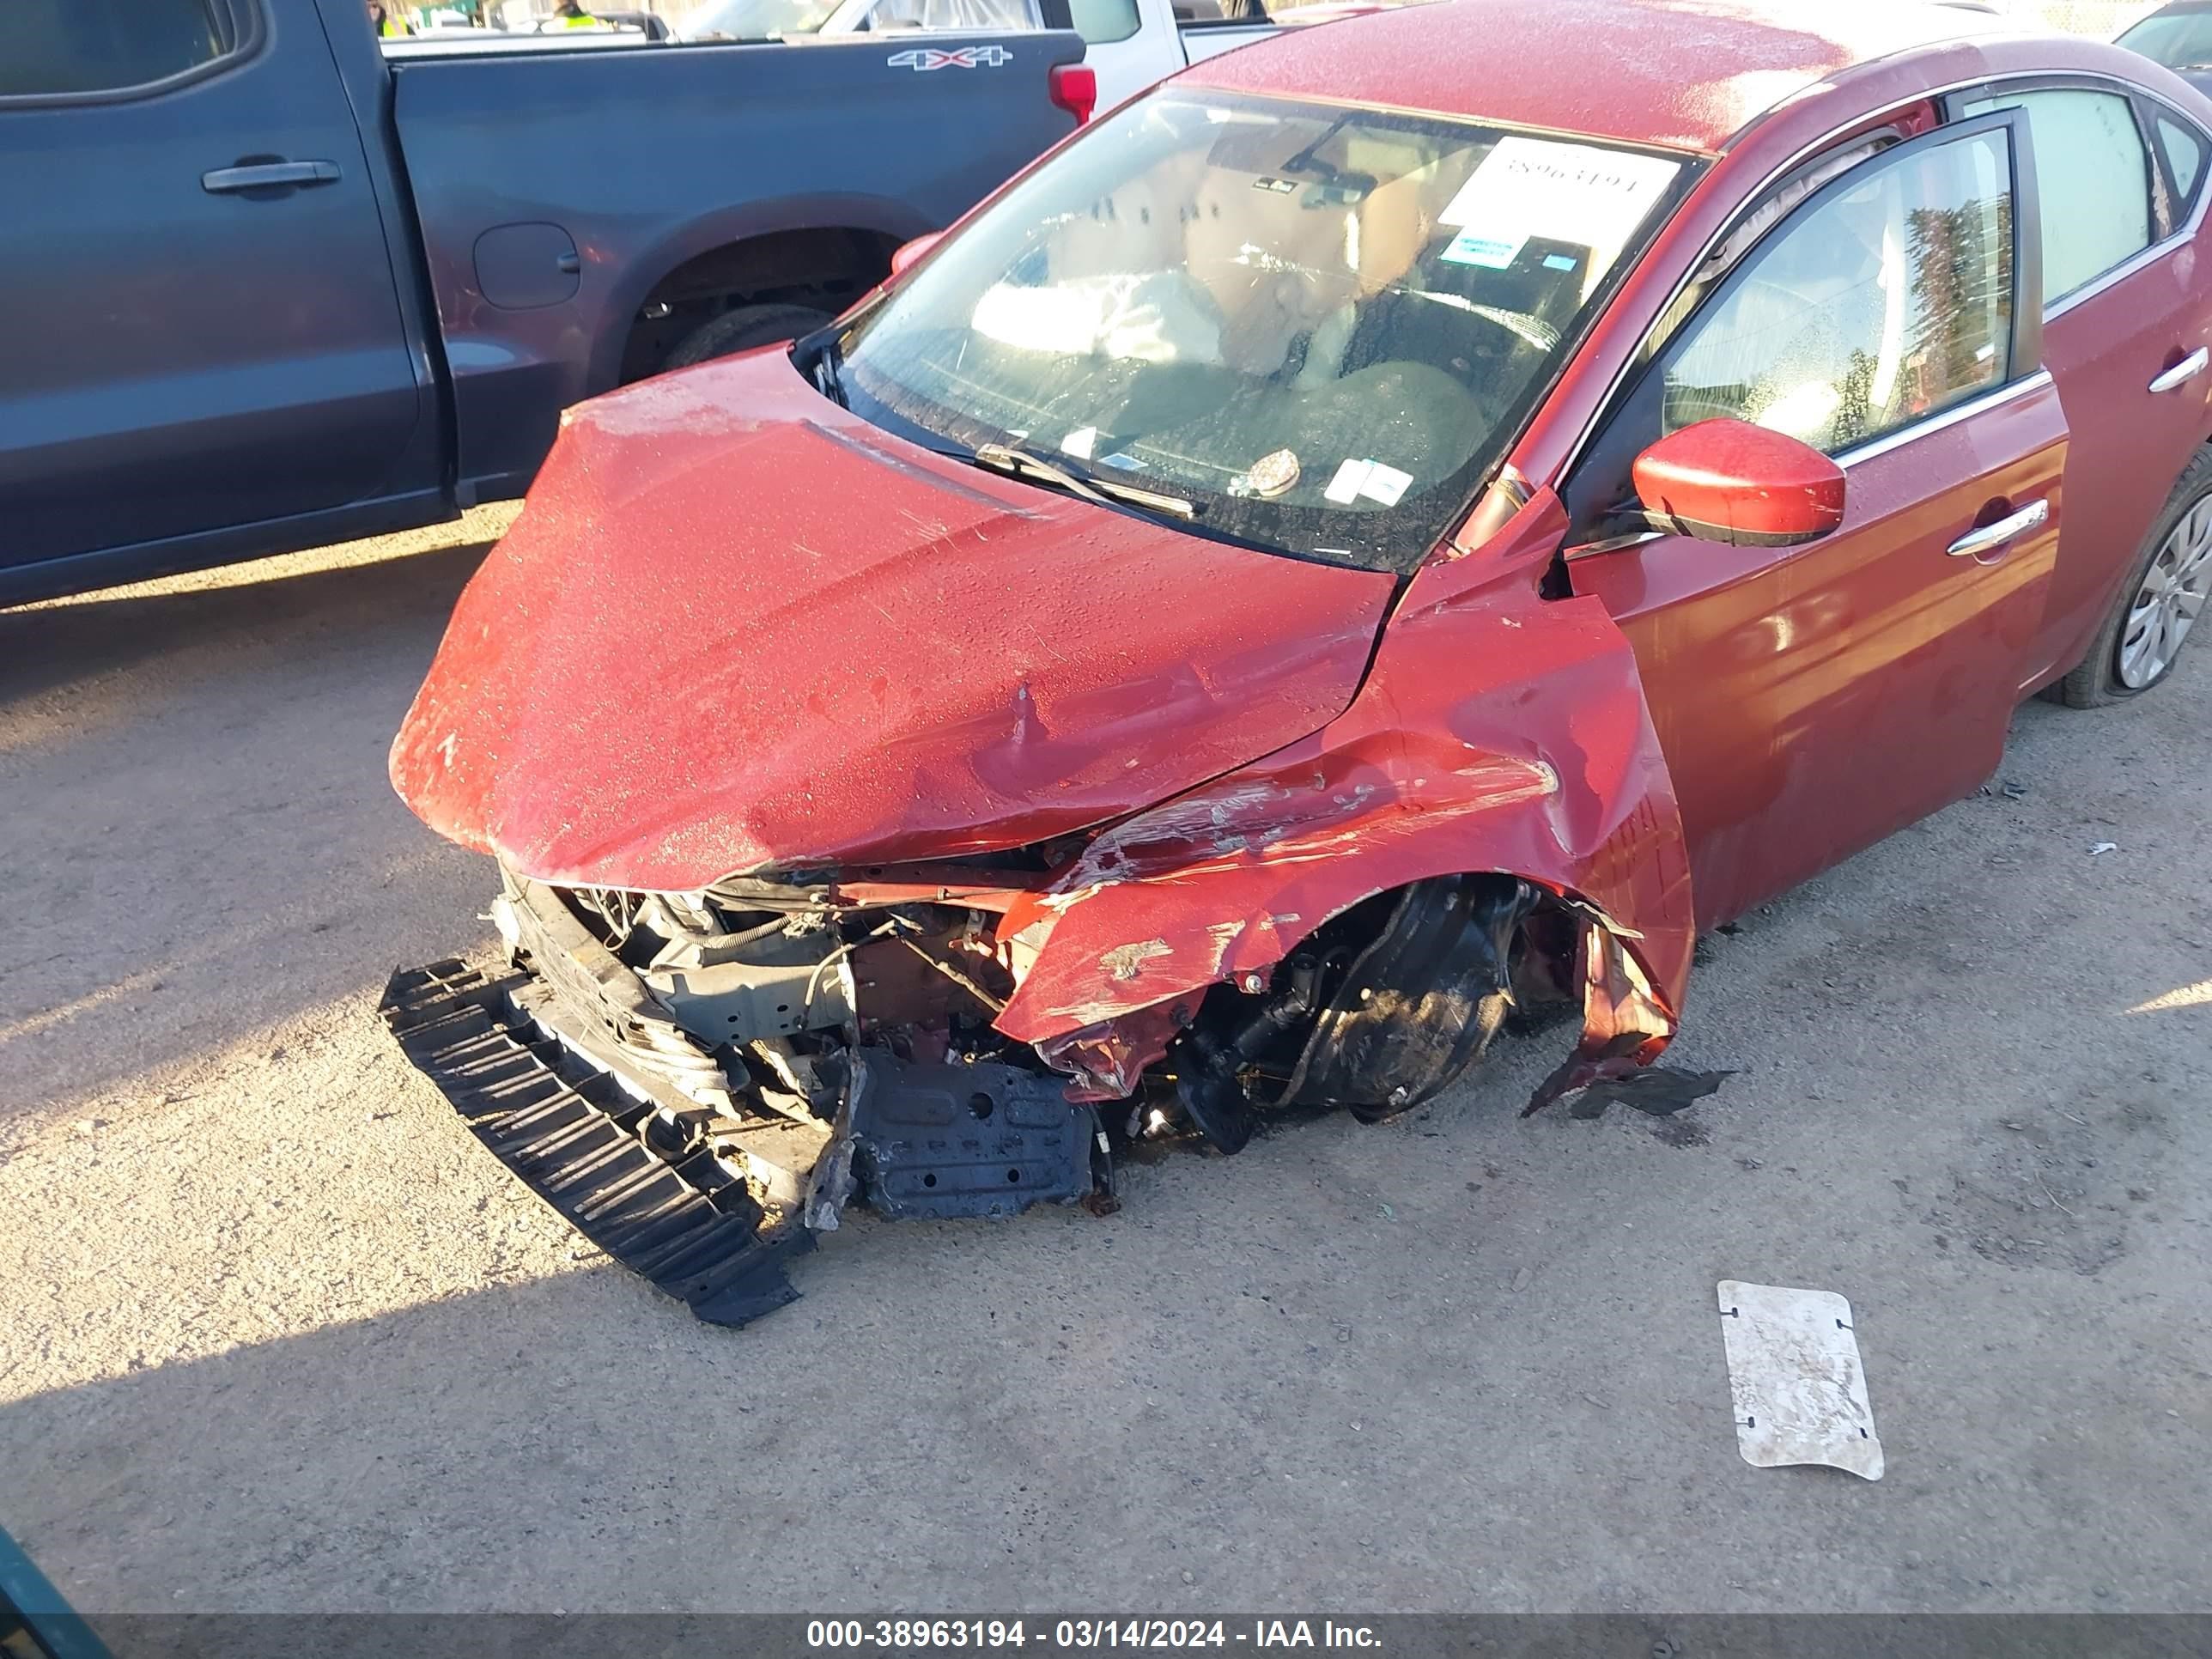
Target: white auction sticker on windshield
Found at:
1376, 482
1539, 189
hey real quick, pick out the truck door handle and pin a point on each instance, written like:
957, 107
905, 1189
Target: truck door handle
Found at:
2182, 371
260, 175
1991, 536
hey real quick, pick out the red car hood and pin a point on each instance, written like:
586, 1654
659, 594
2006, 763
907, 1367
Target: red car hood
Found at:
738, 627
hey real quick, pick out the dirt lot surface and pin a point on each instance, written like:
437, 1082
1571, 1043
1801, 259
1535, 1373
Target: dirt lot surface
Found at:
276, 1334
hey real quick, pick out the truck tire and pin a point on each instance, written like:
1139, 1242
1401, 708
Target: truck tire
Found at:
741, 330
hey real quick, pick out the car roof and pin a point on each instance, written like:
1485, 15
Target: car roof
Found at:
1682, 74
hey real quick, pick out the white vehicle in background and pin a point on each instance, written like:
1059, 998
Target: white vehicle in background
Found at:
455, 39
1129, 43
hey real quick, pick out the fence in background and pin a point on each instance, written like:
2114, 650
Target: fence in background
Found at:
2102, 18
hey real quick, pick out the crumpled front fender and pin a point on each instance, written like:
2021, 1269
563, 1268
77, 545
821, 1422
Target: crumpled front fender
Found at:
1498, 731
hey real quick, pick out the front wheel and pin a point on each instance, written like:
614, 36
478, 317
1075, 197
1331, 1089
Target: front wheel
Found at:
743, 329
2158, 604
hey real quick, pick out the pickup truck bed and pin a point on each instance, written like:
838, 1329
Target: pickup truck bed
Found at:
838, 157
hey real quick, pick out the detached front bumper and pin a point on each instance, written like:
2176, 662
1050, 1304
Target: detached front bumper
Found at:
576, 1136
666, 1156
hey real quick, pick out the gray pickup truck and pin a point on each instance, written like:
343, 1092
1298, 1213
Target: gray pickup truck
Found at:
266, 289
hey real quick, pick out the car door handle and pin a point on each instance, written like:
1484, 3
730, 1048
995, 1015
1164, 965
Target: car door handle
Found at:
2182, 371
260, 175
1991, 536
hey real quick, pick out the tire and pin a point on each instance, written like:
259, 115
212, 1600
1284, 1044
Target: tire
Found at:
741, 330
2177, 555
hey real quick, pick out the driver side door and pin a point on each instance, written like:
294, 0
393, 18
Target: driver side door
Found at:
1812, 699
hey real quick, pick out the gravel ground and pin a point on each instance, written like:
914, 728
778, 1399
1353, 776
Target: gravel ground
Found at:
276, 1336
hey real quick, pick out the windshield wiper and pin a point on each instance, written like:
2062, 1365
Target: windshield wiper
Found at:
1005, 458
827, 380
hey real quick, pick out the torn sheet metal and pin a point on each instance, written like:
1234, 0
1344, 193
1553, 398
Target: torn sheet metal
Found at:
1106, 1060
1800, 1392
1626, 1024
664, 675
1498, 731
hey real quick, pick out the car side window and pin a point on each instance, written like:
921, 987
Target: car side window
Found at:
2185, 158
1102, 23
1219, 14
2177, 38
57, 47
2093, 175
1887, 296
993, 15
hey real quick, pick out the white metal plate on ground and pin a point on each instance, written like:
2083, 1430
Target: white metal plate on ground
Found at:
1800, 1392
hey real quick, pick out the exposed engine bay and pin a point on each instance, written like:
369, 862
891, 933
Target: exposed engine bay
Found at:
786, 1048
825, 913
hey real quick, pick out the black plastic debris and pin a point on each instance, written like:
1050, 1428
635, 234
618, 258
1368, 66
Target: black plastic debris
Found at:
570, 1133
951, 1142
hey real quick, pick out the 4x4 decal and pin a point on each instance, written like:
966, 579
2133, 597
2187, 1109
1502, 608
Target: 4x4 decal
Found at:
922, 58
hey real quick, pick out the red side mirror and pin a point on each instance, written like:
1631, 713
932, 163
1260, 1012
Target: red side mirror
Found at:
912, 251
1730, 481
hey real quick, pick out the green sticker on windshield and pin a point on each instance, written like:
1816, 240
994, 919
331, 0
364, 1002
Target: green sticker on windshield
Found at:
1493, 252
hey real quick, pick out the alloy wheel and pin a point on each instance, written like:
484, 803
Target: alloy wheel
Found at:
2168, 603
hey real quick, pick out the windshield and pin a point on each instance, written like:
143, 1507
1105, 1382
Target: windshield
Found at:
1318, 325
2178, 39
758, 19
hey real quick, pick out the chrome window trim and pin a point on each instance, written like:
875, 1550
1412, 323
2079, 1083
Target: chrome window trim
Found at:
1807, 152
1611, 544
1897, 437
2132, 266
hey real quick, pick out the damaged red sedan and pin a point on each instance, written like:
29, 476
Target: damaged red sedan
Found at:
1404, 523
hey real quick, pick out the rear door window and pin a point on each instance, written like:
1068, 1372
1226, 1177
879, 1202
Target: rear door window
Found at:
2093, 176
2185, 158
54, 47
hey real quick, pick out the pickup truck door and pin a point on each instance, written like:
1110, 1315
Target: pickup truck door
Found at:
204, 323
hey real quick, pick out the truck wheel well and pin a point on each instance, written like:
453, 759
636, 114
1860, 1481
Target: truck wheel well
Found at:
823, 269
